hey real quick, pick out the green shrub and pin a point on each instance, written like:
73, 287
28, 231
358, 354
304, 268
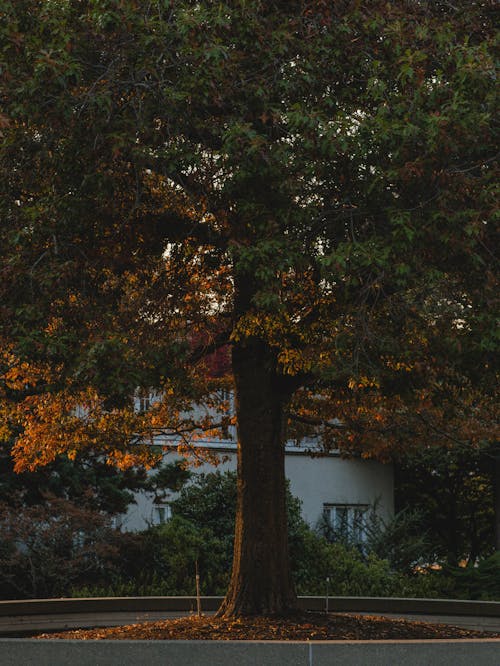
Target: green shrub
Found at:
121, 587
480, 581
352, 574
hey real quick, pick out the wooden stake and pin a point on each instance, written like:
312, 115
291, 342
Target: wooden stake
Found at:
198, 598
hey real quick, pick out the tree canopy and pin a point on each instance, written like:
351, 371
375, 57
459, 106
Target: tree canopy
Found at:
310, 184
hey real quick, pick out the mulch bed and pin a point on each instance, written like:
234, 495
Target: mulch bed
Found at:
307, 626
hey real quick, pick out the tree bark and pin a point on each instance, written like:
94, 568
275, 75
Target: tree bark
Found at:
261, 581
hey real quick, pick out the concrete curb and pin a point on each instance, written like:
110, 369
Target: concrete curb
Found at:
403, 605
26, 652
105, 604
183, 604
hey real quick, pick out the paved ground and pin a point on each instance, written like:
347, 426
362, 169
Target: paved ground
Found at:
30, 624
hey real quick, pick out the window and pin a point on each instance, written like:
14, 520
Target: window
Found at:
345, 522
144, 403
161, 513
117, 522
144, 399
224, 395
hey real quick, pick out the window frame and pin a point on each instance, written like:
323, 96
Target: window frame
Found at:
162, 513
347, 520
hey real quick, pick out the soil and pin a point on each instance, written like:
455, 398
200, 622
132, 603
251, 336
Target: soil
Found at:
306, 626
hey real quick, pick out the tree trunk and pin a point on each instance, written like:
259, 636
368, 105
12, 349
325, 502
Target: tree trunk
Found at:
261, 581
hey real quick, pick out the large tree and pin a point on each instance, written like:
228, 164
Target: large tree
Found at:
308, 183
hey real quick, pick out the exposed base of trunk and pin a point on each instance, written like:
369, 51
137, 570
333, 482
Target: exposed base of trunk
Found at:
244, 603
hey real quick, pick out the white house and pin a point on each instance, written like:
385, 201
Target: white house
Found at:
342, 489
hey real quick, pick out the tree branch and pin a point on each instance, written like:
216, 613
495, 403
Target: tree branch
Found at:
176, 228
204, 350
310, 420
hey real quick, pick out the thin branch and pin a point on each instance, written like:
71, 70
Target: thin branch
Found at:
174, 227
310, 420
443, 433
204, 350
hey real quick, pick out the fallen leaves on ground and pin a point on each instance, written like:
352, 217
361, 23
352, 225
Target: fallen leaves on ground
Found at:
307, 626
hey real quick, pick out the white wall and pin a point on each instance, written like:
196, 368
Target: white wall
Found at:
335, 480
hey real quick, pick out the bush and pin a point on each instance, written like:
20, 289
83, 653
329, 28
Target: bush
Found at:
47, 549
401, 539
350, 573
184, 547
479, 581
163, 561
